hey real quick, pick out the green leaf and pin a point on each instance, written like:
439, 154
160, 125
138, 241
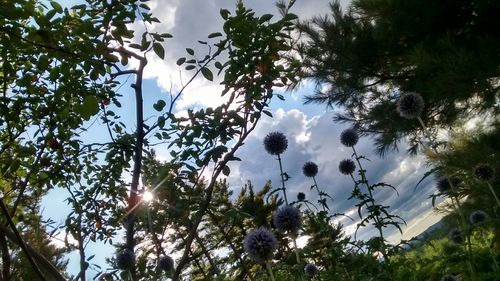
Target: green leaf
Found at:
180, 61
189, 67
218, 65
207, 73
267, 113
427, 174
215, 34
88, 108
226, 171
135, 46
158, 49
224, 14
56, 6
190, 51
290, 16
265, 18
159, 105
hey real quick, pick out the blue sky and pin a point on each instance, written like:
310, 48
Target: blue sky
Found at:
310, 130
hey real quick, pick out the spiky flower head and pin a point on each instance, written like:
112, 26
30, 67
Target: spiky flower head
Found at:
125, 259
301, 196
310, 169
287, 218
347, 166
260, 244
445, 183
478, 216
310, 270
449, 278
455, 235
484, 172
165, 263
275, 143
349, 137
410, 105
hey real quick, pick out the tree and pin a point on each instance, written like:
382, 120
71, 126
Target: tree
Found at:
61, 73
364, 58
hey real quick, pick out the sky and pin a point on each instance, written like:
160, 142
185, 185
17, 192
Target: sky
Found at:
311, 133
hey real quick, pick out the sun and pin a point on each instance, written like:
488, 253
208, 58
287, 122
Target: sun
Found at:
147, 196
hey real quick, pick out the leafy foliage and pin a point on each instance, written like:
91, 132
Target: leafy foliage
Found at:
367, 56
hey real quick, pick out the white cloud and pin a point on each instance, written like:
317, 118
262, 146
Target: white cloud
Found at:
192, 20
316, 138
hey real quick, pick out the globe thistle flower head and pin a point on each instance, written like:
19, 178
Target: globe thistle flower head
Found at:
301, 196
449, 278
275, 143
410, 105
349, 137
310, 270
260, 244
478, 216
456, 236
484, 172
287, 218
445, 184
125, 259
310, 169
347, 166
165, 264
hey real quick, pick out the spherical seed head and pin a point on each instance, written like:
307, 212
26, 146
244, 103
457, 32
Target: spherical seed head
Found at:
349, 137
484, 172
456, 236
310, 169
260, 244
275, 143
301, 196
287, 218
125, 259
410, 105
444, 183
449, 278
347, 166
165, 263
310, 270
478, 217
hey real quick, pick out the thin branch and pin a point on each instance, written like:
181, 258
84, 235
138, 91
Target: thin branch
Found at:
206, 203
139, 135
6, 261
47, 265
21, 242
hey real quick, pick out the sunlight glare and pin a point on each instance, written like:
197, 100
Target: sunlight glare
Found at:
147, 196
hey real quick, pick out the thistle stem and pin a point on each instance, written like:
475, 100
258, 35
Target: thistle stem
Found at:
296, 250
376, 218
270, 270
323, 203
463, 222
282, 181
494, 193
365, 181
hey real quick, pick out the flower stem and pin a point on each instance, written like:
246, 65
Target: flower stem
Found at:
494, 193
463, 222
376, 218
270, 270
296, 250
372, 200
282, 181
320, 196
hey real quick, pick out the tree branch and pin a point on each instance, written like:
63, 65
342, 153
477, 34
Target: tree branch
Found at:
21, 242
139, 135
